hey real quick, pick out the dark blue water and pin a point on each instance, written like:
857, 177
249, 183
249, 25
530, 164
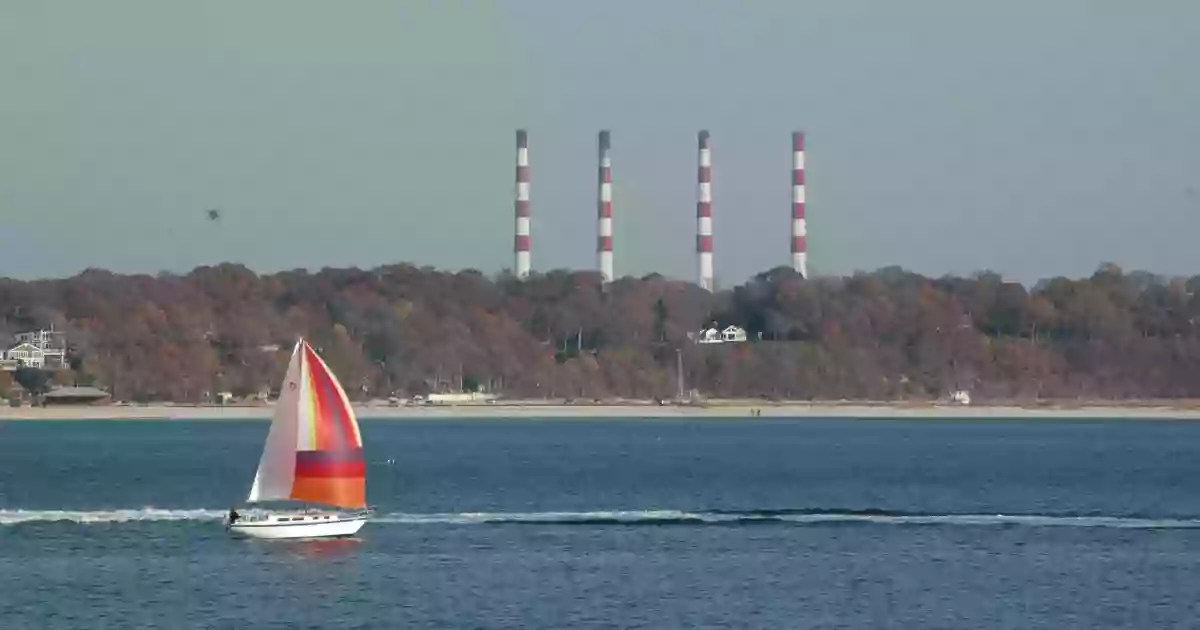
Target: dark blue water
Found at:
618, 524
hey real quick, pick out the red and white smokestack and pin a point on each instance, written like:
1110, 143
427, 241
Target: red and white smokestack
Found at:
799, 227
604, 208
704, 239
521, 207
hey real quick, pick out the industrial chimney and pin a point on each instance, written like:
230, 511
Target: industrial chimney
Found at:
521, 242
799, 227
704, 239
604, 208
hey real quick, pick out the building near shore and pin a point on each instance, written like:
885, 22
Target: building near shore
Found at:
459, 398
41, 349
76, 396
14, 394
730, 334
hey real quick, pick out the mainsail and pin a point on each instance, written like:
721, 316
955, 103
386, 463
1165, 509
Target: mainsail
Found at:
314, 449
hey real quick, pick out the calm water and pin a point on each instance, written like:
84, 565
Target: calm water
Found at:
619, 524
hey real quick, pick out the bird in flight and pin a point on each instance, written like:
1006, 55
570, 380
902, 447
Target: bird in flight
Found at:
213, 214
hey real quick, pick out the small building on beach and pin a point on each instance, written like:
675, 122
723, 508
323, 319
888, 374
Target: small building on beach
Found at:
76, 396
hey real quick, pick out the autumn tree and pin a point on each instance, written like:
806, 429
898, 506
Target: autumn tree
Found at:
888, 334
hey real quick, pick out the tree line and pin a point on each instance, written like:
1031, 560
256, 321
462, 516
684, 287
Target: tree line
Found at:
885, 335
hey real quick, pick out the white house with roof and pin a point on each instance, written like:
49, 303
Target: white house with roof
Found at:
37, 349
26, 354
733, 334
713, 334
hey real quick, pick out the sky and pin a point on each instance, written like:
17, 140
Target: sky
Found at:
1026, 137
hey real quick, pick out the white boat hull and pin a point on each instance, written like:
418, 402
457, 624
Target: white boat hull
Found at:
298, 525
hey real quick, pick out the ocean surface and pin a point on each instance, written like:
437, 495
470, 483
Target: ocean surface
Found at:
656, 524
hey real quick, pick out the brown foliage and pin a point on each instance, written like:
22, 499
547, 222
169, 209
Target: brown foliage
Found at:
883, 335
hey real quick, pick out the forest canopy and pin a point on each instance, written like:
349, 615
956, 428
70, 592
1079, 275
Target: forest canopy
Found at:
405, 330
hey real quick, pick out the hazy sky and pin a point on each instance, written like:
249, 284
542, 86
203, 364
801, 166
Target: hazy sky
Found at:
1030, 137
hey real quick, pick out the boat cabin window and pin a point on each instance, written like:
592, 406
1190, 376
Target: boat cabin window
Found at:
296, 519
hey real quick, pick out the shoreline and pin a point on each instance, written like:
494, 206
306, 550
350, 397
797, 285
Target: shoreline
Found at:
1166, 410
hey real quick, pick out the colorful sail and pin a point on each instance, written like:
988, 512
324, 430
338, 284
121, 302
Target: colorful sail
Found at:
314, 449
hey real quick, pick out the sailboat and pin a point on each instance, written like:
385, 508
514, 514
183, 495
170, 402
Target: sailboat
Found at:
313, 456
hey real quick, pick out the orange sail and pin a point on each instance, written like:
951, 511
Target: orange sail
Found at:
314, 449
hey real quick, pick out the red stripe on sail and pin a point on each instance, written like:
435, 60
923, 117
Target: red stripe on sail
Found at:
345, 413
334, 431
316, 458
311, 469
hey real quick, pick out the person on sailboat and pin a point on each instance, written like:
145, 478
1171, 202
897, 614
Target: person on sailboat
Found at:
233, 516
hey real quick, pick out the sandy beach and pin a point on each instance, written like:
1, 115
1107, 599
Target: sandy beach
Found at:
1171, 410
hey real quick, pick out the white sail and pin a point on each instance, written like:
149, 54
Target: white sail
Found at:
276, 467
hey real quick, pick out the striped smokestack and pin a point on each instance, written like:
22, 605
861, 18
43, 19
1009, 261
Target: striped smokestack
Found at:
704, 239
799, 228
604, 208
521, 207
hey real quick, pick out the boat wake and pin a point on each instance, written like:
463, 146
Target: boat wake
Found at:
644, 517
793, 517
14, 517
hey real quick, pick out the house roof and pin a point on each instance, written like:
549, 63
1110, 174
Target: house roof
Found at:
24, 345
76, 392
